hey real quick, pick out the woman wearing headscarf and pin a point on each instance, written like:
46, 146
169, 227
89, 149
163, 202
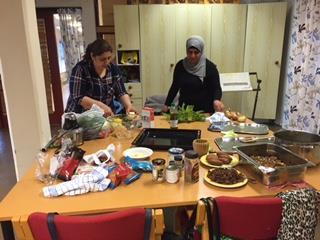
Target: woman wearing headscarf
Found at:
196, 79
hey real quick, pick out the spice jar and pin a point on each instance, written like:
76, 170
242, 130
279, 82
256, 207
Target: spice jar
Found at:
172, 173
191, 167
158, 169
179, 163
175, 152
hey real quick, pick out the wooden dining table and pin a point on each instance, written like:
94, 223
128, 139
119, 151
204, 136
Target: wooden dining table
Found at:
26, 196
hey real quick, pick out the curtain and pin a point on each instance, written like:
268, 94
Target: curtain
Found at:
302, 92
72, 36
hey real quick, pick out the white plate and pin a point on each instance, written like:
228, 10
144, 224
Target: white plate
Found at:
138, 153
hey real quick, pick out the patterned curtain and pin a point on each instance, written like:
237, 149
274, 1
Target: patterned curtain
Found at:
302, 93
71, 32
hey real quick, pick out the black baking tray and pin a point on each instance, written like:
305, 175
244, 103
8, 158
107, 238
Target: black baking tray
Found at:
163, 138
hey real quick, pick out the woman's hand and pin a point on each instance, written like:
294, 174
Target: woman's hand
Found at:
107, 110
131, 108
218, 106
87, 102
126, 102
165, 108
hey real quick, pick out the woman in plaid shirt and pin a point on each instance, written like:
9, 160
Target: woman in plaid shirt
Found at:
95, 80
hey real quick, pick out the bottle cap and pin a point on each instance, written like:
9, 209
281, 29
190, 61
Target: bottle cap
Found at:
191, 154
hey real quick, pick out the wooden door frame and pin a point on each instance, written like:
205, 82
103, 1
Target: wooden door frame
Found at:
3, 115
47, 15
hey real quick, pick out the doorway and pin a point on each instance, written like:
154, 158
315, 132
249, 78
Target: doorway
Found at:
61, 49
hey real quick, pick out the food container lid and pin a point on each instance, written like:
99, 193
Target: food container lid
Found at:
298, 137
178, 158
191, 154
176, 150
158, 161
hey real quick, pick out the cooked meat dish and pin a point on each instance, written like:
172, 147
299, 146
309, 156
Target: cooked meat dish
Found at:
268, 161
225, 176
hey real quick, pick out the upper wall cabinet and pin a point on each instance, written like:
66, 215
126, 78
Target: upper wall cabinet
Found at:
228, 32
126, 23
192, 19
263, 52
157, 33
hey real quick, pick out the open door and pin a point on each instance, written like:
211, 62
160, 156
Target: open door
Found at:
50, 63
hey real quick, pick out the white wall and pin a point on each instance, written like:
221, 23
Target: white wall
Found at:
88, 17
23, 82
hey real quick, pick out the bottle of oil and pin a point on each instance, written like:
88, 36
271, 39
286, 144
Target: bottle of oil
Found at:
173, 117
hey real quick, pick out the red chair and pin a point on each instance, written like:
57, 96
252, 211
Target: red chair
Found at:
244, 218
127, 224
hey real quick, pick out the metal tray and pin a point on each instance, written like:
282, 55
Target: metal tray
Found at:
294, 170
163, 139
245, 128
230, 145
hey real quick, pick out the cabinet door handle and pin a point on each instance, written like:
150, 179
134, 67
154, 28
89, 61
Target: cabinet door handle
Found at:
119, 45
171, 65
130, 94
129, 87
277, 63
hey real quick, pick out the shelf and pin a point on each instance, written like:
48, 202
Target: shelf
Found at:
128, 65
130, 72
128, 57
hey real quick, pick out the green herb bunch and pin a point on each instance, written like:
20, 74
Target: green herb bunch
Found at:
187, 114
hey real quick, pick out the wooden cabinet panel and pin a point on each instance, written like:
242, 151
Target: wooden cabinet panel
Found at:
228, 32
263, 51
134, 90
126, 23
157, 33
192, 19
137, 103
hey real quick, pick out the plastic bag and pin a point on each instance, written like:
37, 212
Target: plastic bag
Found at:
92, 122
102, 156
145, 166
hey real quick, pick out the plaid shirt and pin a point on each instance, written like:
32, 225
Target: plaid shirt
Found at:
84, 81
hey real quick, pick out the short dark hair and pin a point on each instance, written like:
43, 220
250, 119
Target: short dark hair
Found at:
97, 48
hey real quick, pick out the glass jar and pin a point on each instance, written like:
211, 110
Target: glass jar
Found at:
191, 167
158, 170
173, 117
175, 152
172, 173
178, 160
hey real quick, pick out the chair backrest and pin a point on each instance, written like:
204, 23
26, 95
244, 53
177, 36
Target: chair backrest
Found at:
127, 224
249, 218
